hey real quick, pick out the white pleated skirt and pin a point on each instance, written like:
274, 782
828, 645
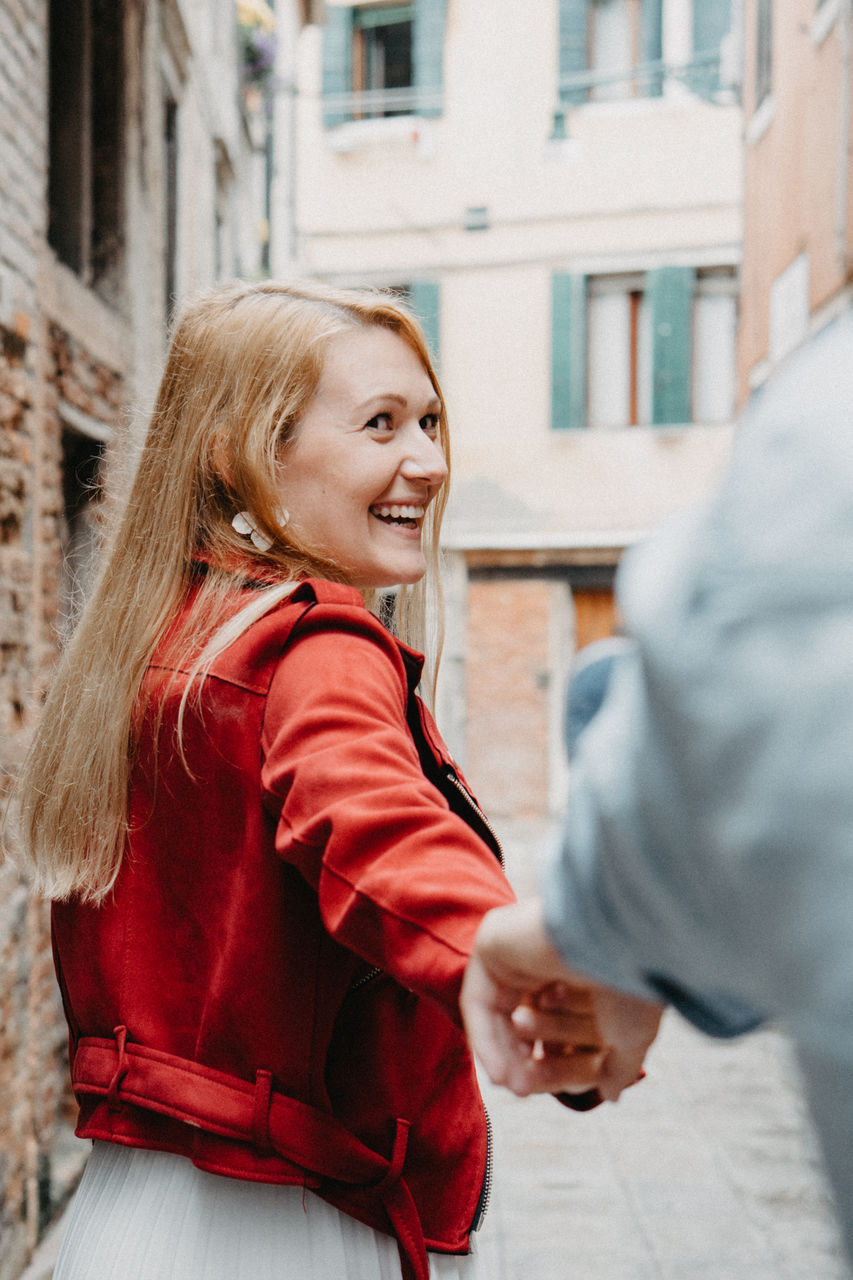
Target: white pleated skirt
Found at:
148, 1215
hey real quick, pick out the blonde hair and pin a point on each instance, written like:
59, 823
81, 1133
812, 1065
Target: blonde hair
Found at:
243, 363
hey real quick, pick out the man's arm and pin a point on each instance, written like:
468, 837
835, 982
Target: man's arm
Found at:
706, 858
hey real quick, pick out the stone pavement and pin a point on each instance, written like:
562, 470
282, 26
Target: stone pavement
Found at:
707, 1170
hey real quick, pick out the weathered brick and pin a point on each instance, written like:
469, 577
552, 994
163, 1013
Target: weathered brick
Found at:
507, 671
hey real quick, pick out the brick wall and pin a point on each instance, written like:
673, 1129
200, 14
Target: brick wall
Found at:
23, 942
36, 1174
521, 637
508, 681
40, 366
29, 1023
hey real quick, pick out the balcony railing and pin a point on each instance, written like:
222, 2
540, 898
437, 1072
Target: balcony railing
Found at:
702, 76
370, 104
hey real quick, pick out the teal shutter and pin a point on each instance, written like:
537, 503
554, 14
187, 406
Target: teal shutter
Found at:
652, 44
428, 51
337, 60
670, 294
568, 351
425, 300
712, 20
574, 51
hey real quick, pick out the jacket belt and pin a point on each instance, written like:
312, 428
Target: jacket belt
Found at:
223, 1104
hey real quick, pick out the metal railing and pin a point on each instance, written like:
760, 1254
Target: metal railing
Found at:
701, 76
646, 79
371, 104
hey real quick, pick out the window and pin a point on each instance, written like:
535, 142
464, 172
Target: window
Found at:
613, 43
170, 194
619, 390
610, 49
712, 33
382, 53
85, 140
382, 60
223, 249
714, 380
763, 51
424, 298
653, 348
82, 459
615, 48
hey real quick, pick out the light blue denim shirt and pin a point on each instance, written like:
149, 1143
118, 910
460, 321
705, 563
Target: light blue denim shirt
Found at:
707, 857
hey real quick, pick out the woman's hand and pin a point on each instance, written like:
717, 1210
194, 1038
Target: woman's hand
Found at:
539, 1028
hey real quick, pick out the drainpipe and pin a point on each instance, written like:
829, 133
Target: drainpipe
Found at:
844, 158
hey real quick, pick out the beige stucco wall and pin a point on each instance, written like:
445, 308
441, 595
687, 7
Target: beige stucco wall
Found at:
797, 171
641, 175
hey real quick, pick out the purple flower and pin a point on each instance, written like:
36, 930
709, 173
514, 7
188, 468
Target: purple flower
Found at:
259, 50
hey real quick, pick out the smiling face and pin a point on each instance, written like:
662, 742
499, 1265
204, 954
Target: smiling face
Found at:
365, 460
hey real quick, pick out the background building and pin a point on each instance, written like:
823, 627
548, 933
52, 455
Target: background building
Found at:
557, 187
798, 231
132, 169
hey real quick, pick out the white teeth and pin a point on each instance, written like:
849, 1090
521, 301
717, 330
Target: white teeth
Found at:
397, 511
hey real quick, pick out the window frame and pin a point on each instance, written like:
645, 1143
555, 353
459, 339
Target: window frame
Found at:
343, 102
700, 71
86, 205
367, 23
662, 379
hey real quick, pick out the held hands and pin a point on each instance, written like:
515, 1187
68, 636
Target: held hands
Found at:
537, 1027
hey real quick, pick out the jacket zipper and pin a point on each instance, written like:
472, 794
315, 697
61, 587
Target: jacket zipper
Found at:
363, 980
450, 774
486, 1189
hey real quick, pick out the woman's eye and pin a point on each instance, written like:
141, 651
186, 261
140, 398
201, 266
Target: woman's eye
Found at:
382, 423
429, 424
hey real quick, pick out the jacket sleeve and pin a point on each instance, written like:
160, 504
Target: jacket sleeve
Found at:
401, 880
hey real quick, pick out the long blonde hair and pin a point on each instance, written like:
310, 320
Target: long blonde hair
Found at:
243, 363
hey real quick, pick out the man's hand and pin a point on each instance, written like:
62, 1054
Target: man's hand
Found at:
539, 1028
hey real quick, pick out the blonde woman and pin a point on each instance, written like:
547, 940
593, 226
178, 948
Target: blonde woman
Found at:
267, 871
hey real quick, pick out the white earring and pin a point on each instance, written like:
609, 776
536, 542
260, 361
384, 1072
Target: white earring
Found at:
245, 524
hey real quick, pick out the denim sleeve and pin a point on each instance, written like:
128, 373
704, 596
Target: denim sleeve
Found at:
707, 855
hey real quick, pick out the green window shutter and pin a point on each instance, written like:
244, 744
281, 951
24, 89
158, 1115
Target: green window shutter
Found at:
425, 299
712, 20
568, 351
652, 43
428, 50
670, 294
337, 60
574, 51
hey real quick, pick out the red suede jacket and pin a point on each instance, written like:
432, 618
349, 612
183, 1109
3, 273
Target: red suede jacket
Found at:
225, 1002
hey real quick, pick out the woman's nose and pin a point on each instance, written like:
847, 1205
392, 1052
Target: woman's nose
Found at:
424, 460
